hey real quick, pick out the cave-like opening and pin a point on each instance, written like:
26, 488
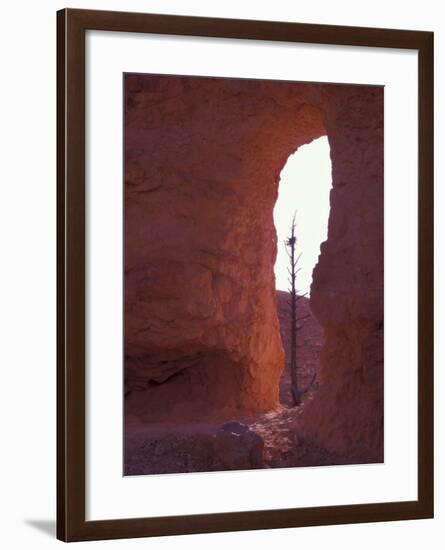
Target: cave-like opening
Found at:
304, 190
202, 334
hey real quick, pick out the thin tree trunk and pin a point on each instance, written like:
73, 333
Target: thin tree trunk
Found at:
293, 293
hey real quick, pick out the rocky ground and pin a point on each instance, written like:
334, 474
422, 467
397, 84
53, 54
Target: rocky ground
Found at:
270, 440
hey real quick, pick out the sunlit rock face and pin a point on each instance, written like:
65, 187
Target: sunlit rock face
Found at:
202, 164
203, 158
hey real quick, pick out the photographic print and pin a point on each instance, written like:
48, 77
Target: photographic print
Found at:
253, 283
240, 289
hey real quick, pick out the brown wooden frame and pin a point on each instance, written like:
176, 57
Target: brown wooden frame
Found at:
71, 27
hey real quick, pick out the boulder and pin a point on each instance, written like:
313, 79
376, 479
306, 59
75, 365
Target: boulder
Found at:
237, 447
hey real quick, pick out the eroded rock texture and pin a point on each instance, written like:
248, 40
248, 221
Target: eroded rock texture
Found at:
202, 164
347, 290
203, 158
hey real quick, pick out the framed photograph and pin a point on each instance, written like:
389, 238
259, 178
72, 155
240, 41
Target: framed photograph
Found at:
245, 275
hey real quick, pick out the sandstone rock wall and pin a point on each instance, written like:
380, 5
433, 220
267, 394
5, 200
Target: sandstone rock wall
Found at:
203, 158
347, 290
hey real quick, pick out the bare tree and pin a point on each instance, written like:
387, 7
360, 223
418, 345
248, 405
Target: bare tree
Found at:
291, 244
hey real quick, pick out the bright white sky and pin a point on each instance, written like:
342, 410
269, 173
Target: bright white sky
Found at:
304, 187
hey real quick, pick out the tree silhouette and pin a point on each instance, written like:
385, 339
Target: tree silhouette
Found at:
291, 244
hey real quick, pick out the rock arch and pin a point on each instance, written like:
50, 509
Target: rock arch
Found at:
203, 158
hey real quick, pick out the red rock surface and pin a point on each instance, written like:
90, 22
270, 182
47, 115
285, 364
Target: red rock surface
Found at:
202, 164
347, 289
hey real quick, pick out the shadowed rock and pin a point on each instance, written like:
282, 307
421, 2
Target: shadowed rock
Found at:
238, 447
